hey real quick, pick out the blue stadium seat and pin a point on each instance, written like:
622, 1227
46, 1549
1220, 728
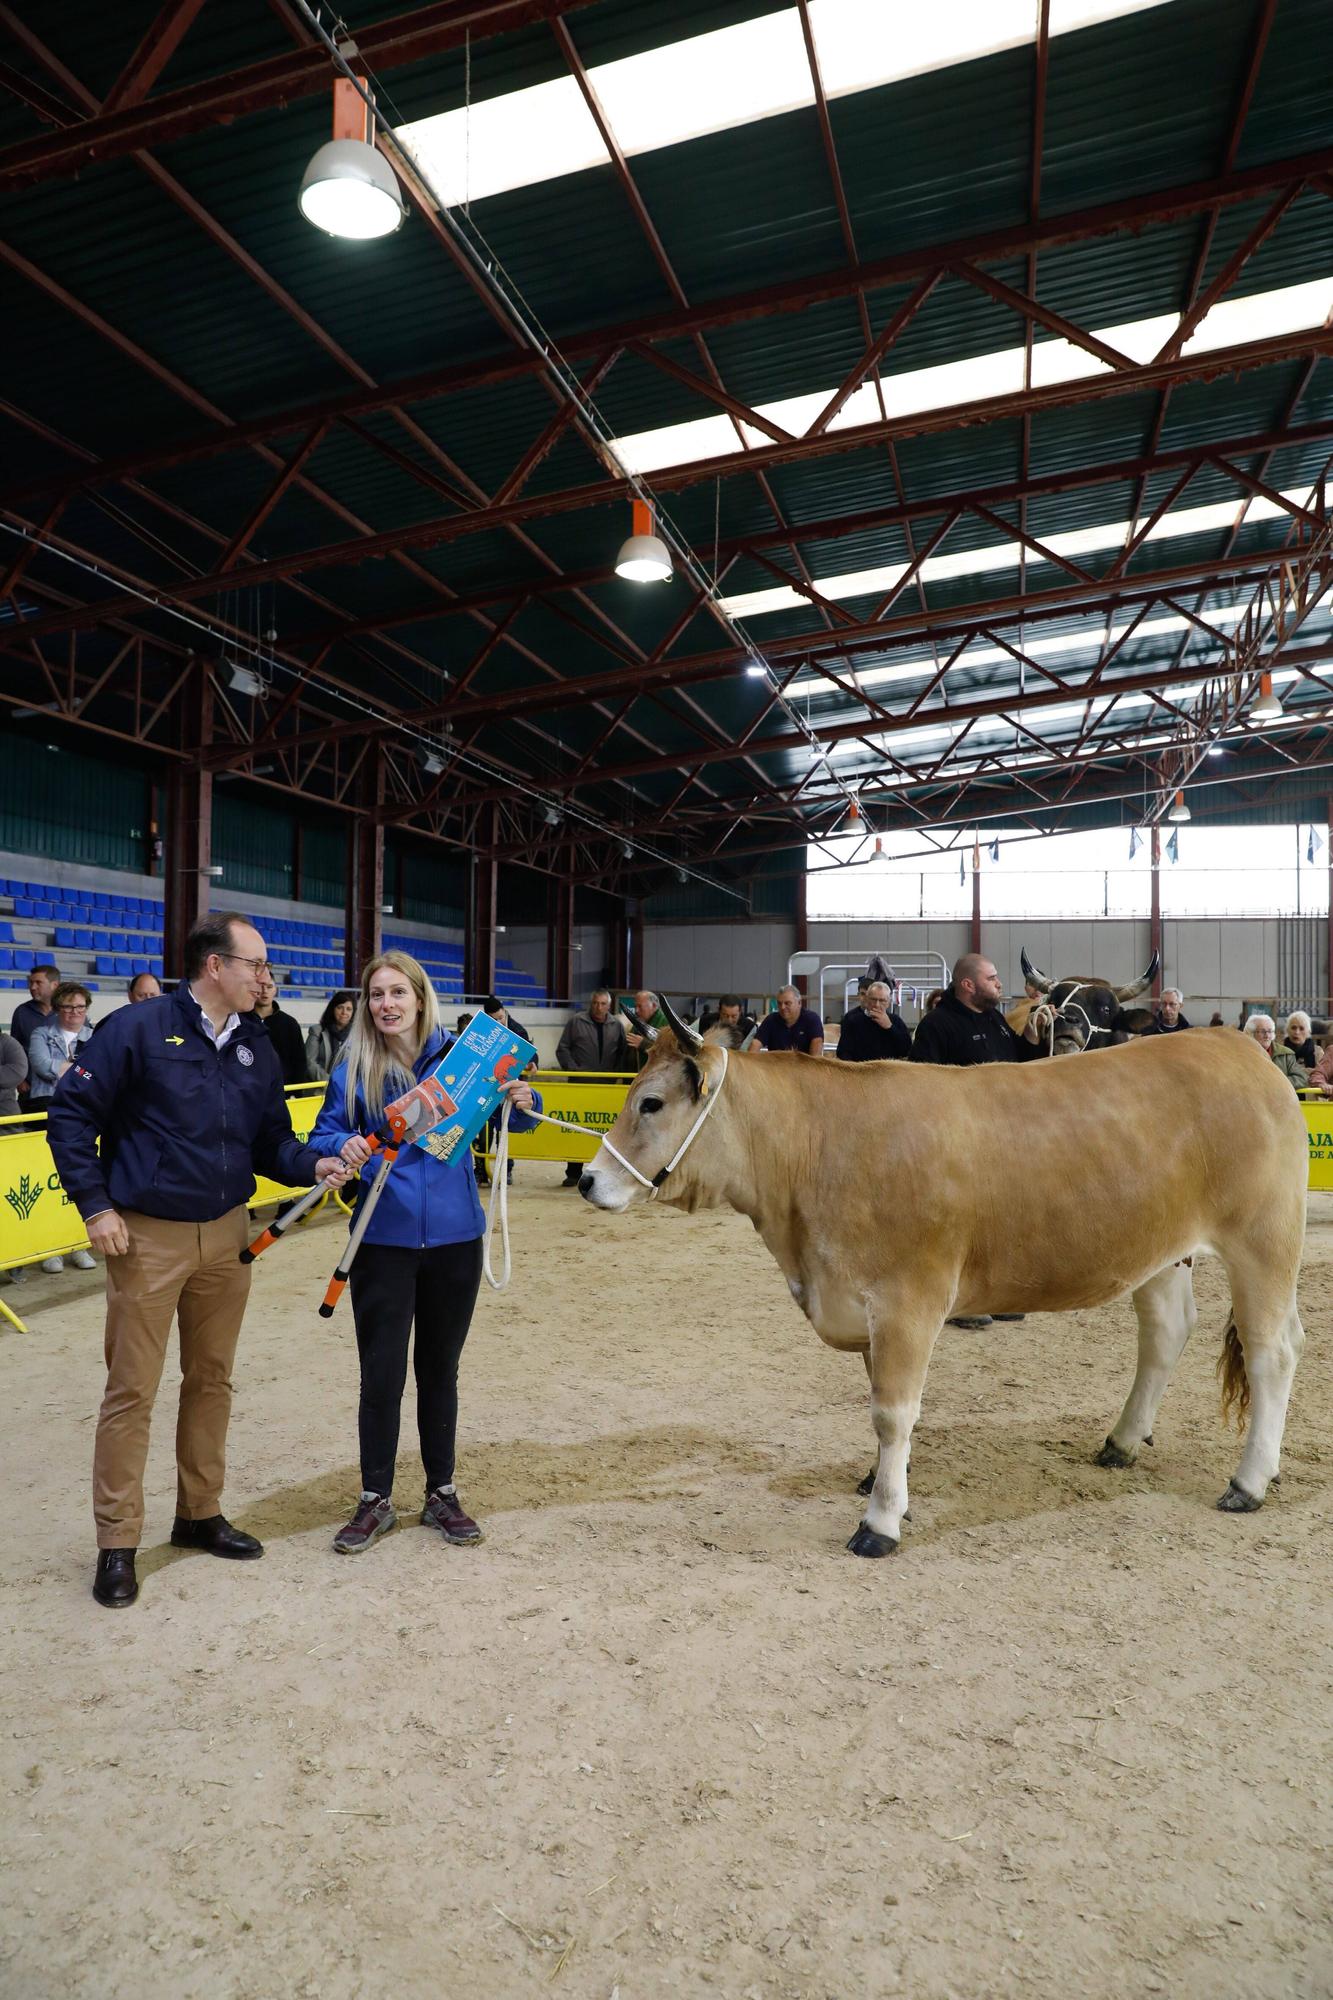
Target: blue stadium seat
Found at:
155, 966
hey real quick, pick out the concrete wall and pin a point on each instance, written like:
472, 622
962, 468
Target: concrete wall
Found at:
1216, 961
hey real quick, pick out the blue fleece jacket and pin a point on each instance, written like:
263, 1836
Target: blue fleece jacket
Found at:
424, 1203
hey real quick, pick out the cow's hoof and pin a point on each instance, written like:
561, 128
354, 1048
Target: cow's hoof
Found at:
865, 1542
1237, 1501
867, 1485
1149, 1438
1111, 1454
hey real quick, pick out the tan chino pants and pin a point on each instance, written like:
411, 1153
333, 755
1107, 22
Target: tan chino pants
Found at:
188, 1270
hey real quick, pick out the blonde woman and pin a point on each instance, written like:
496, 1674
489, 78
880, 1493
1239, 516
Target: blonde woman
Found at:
420, 1261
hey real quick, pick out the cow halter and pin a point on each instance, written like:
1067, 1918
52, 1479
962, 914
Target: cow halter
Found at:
654, 1185
1070, 1006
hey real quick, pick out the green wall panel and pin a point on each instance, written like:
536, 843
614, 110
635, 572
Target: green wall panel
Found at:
254, 843
70, 808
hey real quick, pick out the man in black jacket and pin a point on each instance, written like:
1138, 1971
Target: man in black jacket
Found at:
284, 1031
185, 1095
967, 1028
873, 1032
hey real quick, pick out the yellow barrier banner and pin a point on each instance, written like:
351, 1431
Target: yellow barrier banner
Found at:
591, 1100
1319, 1128
38, 1219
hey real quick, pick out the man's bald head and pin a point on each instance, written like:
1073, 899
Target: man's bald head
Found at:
976, 983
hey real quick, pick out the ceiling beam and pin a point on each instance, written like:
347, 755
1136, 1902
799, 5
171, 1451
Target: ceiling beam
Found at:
790, 295
263, 86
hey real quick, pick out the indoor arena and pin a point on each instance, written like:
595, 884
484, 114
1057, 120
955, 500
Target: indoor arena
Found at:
666, 999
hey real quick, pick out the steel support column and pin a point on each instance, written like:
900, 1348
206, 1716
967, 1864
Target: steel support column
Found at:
483, 904
188, 851
560, 940
1328, 814
635, 918
974, 943
801, 941
364, 891
1155, 909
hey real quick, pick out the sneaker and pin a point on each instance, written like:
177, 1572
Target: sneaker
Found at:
83, 1260
444, 1511
53, 1265
374, 1516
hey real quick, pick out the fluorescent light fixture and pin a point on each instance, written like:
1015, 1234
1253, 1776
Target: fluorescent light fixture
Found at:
350, 190
627, 850
432, 763
214, 873
756, 670
716, 81
244, 680
1178, 812
644, 557
1217, 750
682, 875
553, 816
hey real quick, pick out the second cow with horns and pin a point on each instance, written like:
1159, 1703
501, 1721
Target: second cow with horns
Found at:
799, 1146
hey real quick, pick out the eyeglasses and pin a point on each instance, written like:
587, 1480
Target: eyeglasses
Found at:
259, 966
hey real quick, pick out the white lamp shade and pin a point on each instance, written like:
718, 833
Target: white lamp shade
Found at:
644, 559
349, 189
1266, 707
1179, 813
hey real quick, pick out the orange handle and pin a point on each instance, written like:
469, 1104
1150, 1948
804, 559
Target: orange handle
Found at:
337, 1286
258, 1247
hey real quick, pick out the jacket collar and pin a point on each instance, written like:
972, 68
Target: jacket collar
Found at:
186, 1004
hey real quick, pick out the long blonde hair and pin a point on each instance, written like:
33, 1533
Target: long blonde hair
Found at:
370, 1070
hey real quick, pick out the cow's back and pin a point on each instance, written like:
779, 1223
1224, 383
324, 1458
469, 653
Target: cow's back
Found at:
1050, 1184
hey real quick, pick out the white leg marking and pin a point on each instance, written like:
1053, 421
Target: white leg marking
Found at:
1270, 1370
1167, 1316
893, 1423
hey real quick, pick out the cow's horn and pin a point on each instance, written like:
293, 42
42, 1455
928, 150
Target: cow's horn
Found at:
686, 1037
1137, 986
641, 1027
749, 1038
1030, 972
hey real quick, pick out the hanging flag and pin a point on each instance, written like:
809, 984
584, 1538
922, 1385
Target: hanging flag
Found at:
995, 848
1313, 845
1173, 847
1135, 842
962, 870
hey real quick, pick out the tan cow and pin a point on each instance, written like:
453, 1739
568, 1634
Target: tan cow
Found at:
893, 1195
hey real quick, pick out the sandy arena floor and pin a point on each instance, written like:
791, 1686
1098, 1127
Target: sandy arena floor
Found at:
659, 1735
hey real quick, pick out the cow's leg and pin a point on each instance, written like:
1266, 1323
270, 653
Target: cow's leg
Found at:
867, 1485
1167, 1316
901, 1346
1271, 1344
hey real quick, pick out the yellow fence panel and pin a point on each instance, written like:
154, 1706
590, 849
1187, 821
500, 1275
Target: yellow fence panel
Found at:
590, 1100
1319, 1125
38, 1219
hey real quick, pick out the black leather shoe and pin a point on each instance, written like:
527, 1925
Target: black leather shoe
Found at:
216, 1537
115, 1583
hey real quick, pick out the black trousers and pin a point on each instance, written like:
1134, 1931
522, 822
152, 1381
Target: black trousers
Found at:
391, 1288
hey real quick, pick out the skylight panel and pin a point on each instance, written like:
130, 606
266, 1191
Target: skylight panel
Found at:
709, 83
506, 142
716, 81
1262, 315
996, 556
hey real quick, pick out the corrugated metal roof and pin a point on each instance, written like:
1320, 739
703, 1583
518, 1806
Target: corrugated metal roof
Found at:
923, 161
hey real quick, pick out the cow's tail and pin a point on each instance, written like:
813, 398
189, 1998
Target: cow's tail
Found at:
1231, 1374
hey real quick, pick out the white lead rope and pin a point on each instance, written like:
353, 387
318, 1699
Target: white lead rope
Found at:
500, 1172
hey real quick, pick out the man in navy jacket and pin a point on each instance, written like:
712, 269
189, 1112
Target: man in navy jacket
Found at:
185, 1095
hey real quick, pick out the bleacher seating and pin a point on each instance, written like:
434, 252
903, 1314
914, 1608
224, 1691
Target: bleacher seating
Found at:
117, 935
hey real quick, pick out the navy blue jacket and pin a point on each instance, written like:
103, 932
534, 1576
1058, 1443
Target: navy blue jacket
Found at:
183, 1124
425, 1202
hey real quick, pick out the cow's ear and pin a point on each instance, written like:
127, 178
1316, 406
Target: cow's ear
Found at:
696, 1078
